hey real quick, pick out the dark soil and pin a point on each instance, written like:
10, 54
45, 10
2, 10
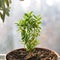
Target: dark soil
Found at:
36, 54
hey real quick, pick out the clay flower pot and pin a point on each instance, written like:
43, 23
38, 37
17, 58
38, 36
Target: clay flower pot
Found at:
36, 54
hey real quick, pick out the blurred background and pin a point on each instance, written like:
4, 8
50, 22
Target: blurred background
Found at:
50, 32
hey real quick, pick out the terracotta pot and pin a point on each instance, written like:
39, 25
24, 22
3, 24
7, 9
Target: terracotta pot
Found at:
36, 54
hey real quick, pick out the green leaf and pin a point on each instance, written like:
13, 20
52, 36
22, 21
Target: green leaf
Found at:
0, 3
35, 16
7, 2
7, 11
2, 16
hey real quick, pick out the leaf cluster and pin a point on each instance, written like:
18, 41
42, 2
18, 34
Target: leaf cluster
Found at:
4, 8
29, 27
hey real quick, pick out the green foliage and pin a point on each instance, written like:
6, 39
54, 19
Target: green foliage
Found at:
4, 8
29, 27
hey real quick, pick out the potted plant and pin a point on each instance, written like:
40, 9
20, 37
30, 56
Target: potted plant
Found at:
29, 28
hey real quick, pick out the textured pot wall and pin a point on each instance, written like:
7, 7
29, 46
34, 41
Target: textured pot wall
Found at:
50, 34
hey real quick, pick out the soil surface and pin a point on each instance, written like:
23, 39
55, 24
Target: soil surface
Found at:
36, 54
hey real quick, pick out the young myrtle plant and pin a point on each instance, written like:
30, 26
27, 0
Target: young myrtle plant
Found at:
29, 27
